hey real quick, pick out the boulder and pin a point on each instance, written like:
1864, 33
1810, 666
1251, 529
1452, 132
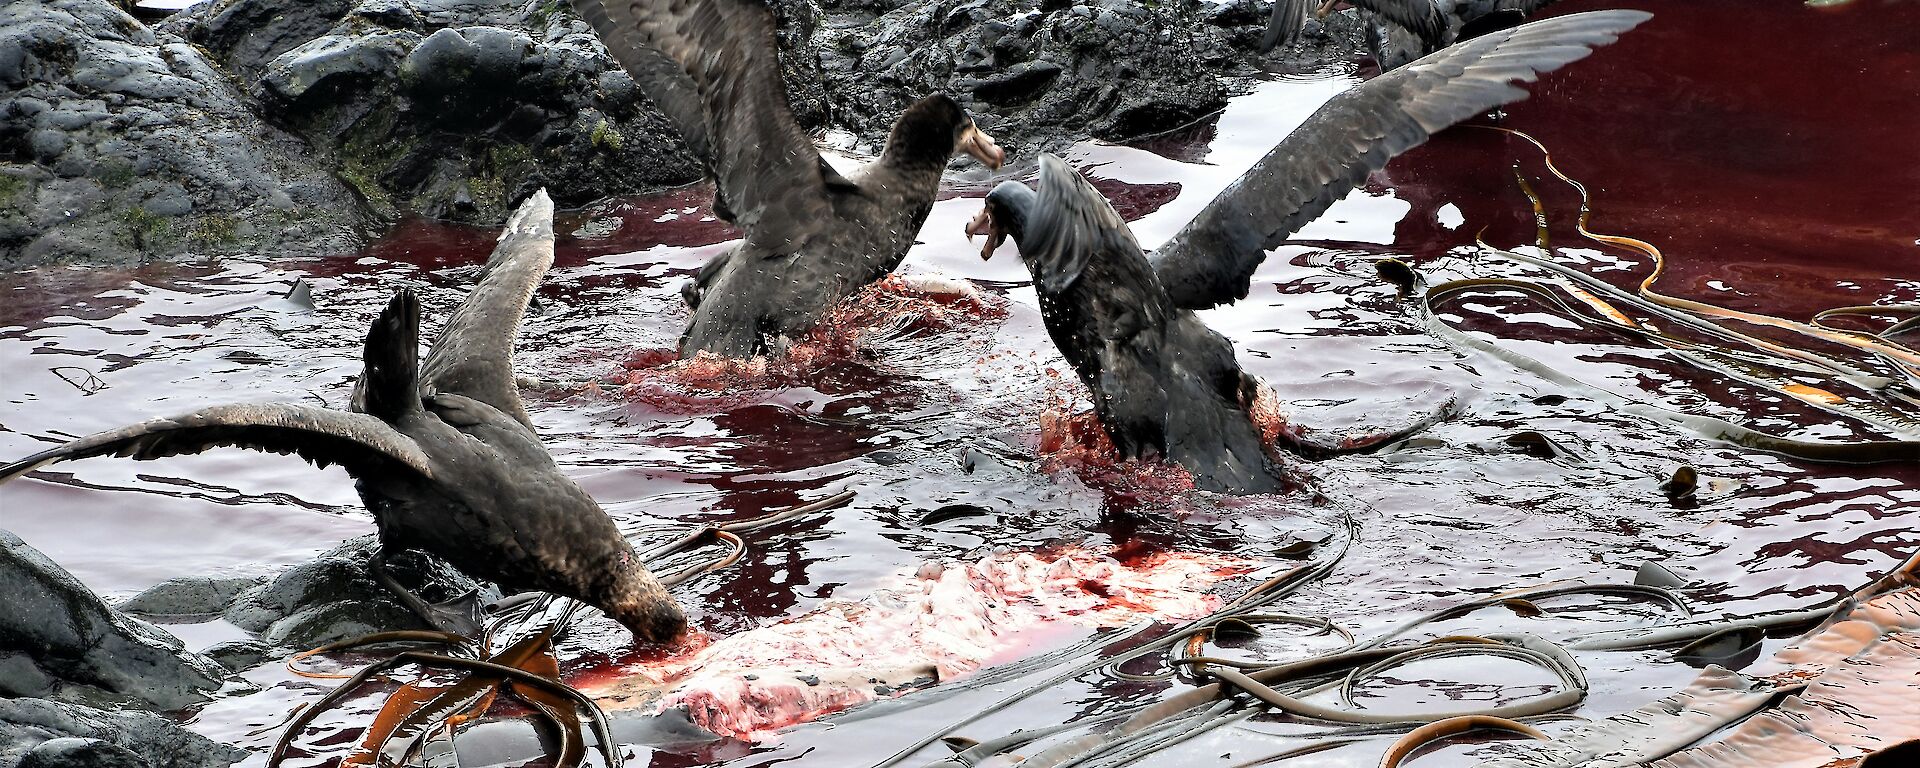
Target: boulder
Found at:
334, 596
118, 144
58, 640
36, 733
1043, 74
446, 108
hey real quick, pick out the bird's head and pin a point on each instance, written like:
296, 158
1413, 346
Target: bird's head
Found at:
935, 129
630, 594
1002, 215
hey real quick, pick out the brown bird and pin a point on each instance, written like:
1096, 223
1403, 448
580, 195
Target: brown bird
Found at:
1165, 384
442, 452
811, 236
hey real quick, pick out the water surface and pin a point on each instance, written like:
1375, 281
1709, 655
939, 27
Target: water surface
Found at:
1777, 178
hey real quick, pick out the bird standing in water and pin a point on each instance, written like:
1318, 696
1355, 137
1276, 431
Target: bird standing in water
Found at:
441, 451
1162, 382
811, 237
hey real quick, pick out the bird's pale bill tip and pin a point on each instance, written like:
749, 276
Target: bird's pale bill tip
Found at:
982, 224
978, 143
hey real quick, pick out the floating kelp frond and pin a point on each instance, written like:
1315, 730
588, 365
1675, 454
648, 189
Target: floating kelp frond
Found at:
1432, 732
524, 666
1846, 452
1841, 690
1907, 359
1775, 367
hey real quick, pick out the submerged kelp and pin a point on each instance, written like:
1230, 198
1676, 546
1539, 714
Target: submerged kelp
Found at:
1839, 691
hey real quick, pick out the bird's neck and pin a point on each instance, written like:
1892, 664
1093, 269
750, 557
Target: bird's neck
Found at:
908, 176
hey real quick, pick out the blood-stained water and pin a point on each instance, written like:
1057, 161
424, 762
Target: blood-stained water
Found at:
1765, 147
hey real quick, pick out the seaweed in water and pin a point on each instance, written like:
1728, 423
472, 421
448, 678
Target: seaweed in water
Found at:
524, 667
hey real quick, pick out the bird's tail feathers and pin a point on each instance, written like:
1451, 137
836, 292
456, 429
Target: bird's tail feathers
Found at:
389, 386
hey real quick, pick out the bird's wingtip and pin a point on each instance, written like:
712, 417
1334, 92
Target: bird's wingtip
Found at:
534, 217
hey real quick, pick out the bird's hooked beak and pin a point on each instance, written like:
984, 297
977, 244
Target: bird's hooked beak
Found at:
640, 603
976, 142
1325, 9
983, 224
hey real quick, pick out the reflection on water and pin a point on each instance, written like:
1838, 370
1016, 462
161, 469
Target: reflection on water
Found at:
1779, 189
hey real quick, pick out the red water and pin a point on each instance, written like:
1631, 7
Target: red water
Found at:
1765, 147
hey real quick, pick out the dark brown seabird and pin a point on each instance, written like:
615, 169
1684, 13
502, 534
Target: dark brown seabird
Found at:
811, 236
441, 451
1163, 383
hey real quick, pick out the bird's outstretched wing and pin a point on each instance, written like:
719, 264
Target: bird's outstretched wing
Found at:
663, 81
1212, 260
361, 443
771, 179
1283, 27
474, 354
1070, 224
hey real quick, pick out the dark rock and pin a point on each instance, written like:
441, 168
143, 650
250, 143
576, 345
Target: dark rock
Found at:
1032, 76
239, 655
392, 14
92, 95
59, 640
1043, 74
48, 731
334, 596
448, 108
190, 596
73, 752
298, 71
246, 34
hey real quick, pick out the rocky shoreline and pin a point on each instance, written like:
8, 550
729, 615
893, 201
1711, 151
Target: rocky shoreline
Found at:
80, 680
305, 128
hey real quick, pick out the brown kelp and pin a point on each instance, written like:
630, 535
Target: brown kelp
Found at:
1230, 690
1841, 690
514, 655
1886, 400
1838, 692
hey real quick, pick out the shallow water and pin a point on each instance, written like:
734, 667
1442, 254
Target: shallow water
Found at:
1774, 185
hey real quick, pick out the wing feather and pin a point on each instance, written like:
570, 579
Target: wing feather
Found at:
1283, 27
474, 354
1422, 17
768, 173
1071, 224
1212, 260
361, 443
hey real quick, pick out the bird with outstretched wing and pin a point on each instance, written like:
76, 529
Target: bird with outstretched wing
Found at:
1162, 382
811, 237
442, 452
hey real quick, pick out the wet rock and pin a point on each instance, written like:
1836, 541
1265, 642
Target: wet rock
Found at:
246, 34
37, 732
1043, 74
337, 58
447, 108
93, 103
71, 752
58, 640
239, 655
190, 596
335, 596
